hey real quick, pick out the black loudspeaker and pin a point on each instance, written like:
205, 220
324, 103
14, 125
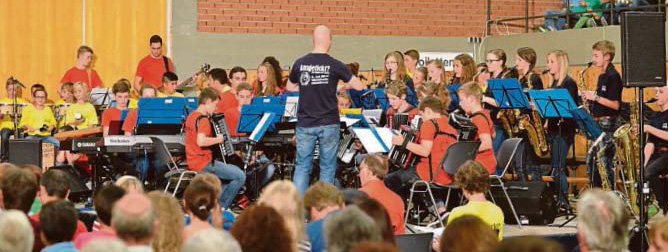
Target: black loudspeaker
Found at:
24, 151
535, 201
643, 49
76, 181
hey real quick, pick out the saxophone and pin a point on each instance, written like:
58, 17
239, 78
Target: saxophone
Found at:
583, 87
628, 155
602, 172
535, 131
508, 118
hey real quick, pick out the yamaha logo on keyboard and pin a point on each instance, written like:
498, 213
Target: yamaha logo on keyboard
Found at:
86, 144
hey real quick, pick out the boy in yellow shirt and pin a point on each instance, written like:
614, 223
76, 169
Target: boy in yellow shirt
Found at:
169, 83
6, 120
38, 121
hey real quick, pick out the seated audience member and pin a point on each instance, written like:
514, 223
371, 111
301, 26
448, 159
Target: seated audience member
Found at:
105, 245
199, 201
377, 211
343, 231
529, 244
375, 247
467, 233
19, 189
352, 196
168, 235
55, 186
250, 230
320, 200
211, 240
372, 171
602, 222
283, 196
217, 215
130, 184
658, 234
133, 219
58, 222
18, 238
104, 199
474, 182
169, 83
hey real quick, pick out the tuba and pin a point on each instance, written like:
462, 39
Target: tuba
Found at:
628, 155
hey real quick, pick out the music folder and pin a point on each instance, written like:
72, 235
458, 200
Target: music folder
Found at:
262, 127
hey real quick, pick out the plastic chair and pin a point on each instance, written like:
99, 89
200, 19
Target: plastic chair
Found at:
505, 157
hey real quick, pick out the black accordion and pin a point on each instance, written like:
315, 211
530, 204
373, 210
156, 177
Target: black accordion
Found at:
399, 157
396, 120
346, 151
225, 149
466, 130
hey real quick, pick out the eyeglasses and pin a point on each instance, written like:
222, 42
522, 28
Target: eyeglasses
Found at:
492, 60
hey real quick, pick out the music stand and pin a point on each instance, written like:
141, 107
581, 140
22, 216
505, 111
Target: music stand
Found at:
508, 94
381, 99
586, 123
100, 96
556, 103
259, 129
362, 98
161, 115
251, 114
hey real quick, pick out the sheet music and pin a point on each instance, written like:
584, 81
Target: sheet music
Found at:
349, 121
370, 142
374, 113
100, 96
261, 127
291, 106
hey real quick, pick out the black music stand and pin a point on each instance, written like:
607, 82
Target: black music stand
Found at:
558, 104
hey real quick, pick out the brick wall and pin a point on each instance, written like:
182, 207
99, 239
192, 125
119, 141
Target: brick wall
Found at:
432, 18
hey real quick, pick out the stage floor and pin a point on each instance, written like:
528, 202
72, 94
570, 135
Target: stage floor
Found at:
515, 230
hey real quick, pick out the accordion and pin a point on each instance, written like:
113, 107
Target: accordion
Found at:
225, 149
346, 152
399, 156
397, 120
466, 130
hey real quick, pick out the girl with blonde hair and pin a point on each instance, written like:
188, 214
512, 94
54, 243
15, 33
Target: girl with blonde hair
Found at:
283, 196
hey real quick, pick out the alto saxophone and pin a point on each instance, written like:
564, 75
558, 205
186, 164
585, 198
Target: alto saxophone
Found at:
583, 87
535, 131
628, 155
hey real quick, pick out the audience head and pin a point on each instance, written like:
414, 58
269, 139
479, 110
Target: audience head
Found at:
104, 199
373, 167
5, 168
435, 71
321, 199
602, 222
283, 196
133, 219
19, 189
468, 233
211, 240
348, 228
57, 221
170, 222
603, 52
237, 76
130, 184
251, 233
217, 78
169, 82
199, 199
208, 98
379, 214
464, 68
104, 245
528, 244
375, 247
470, 96
411, 58
53, 186
84, 55
18, 238
210, 179
322, 39
658, 234
430, 108
496, 61
155, 42
473, 178
352, 196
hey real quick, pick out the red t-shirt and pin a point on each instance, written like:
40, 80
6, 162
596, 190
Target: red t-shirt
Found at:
130, 121
438, 149
75, 75
109, 115
485, 126
84, 238
227, 100
197, 157
152, 69
81, 227
412, 112
232, 119
394, 205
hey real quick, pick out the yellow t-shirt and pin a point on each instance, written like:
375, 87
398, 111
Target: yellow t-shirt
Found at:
175, 94
6, 120
87, 112
485, 210
37, 118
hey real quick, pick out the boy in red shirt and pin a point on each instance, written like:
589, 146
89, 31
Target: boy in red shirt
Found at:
198, 141
396, 97
151, 67
470, 97
218, 81
81, 71
372, 171
435, 137
121, 90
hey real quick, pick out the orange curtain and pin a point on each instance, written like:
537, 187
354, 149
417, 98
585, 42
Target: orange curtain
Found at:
39, 39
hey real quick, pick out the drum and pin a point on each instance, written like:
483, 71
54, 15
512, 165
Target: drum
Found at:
8, 108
